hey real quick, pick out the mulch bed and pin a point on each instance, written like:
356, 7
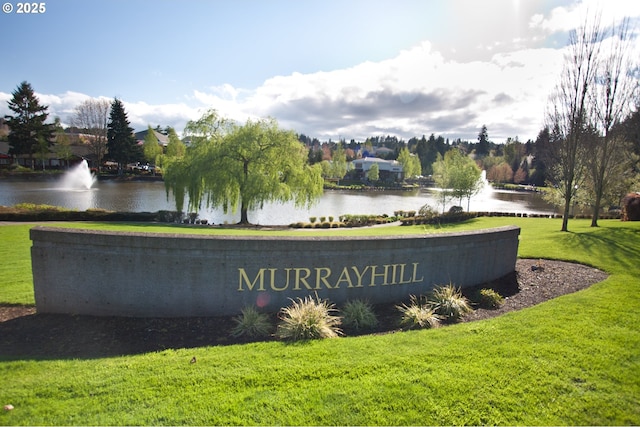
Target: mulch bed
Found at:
27, 334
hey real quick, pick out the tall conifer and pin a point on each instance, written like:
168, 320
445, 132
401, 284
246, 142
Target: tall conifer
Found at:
28, 127
121, 144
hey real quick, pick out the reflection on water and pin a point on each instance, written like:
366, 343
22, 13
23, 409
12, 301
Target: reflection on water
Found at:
152, 197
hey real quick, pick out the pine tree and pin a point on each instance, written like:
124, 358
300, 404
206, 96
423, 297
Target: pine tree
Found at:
482, 148
121, 143
28, 129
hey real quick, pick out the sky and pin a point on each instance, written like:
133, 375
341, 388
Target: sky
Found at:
329, 69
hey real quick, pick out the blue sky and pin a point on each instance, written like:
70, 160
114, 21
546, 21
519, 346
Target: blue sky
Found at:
328, 69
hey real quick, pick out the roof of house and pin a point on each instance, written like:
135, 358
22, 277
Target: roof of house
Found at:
162, 139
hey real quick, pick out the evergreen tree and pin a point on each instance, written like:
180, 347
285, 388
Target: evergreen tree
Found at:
29, 133
482, 148
428, 154
120, 140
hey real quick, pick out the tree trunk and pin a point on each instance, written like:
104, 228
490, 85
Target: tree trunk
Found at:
567, 208
596, 209
244, 217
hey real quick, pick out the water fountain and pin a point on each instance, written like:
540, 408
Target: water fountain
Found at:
78, 177
485, 189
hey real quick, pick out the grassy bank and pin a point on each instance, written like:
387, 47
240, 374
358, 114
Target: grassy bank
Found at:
570, 361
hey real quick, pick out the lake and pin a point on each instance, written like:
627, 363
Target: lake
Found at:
142, 196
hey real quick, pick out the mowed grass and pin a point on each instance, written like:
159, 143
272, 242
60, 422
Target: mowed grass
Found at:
574, 360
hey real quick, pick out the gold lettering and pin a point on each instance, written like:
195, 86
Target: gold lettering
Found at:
302, 279
394, 269
383, 275
359, 275
273, 280
323, 278
251, 285
344, 277
374, 275
415, 271
402, 279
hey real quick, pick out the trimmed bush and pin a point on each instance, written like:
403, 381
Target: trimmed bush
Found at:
358, 314
252, 323
307, 319
419, 314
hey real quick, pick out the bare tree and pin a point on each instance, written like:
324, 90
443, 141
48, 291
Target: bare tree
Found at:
611, 97
568, 118
91, 116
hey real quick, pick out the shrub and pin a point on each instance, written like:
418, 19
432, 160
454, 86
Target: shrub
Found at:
419, 314
358, 314
488, 298
449, 303
169, 216
312, 219
251, 323
428, 212
308, 318
358, 220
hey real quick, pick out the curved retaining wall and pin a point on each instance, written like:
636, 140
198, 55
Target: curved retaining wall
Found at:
168, 275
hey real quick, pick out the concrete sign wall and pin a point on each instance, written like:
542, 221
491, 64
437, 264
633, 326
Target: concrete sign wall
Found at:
166, 275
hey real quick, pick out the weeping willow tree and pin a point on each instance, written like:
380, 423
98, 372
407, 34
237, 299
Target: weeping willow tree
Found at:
230, 165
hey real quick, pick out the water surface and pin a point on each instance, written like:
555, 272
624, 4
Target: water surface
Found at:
142, 196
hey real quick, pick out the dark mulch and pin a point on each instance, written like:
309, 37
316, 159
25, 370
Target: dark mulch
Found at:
27, 334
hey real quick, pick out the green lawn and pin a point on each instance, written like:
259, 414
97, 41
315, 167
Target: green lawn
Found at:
570, 361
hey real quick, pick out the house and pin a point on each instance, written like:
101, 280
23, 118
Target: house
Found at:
163, 139
389, 170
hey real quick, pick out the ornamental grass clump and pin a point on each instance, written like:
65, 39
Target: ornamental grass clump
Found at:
307, 319
419, 314
490, 299
449, 303
252, 323
358, 315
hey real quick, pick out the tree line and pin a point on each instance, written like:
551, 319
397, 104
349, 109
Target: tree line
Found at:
104, 126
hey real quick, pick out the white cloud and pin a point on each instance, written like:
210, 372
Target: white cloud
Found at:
573, 16
415, 93
141, 115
